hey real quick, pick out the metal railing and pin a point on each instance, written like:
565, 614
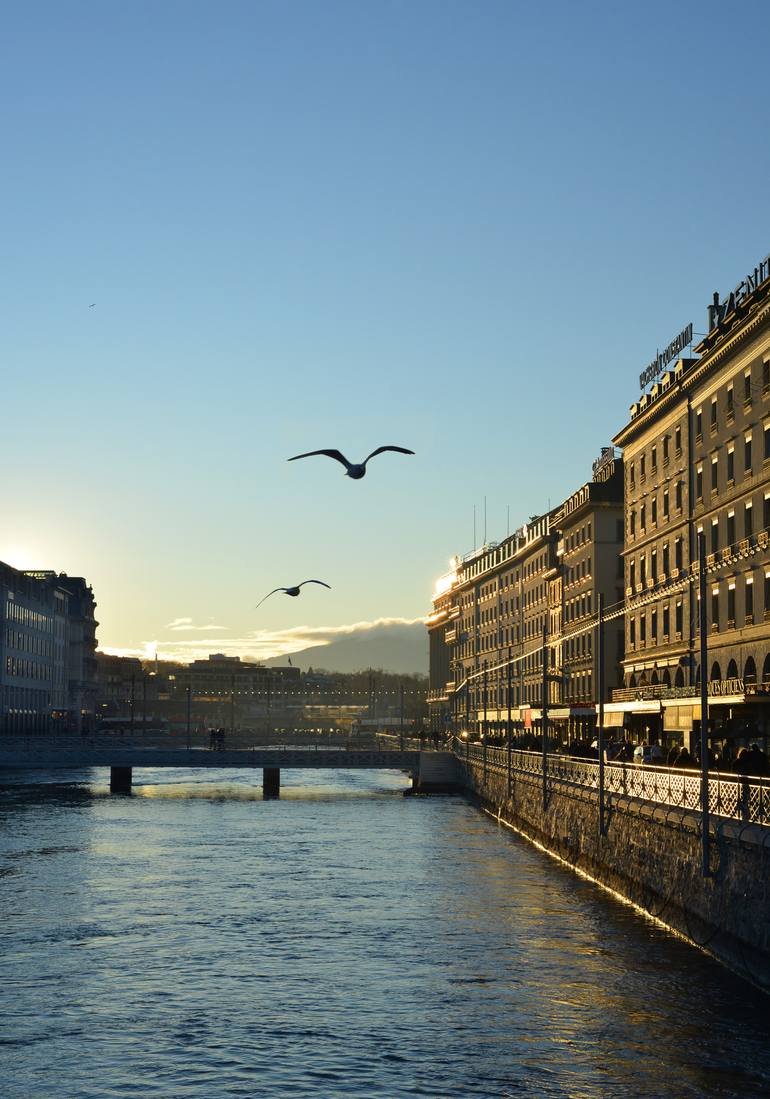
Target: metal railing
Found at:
27, 746
738, 797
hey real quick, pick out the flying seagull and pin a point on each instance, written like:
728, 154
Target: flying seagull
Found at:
93, 303
293, 591
353, 470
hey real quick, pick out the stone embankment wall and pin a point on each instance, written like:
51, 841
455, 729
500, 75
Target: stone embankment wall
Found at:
652, 856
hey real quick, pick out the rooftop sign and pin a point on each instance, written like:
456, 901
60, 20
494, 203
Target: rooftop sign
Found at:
664, 357
718, 310
606, 458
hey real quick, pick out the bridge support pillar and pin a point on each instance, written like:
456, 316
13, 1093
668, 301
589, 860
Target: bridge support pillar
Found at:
120, 780
271, 782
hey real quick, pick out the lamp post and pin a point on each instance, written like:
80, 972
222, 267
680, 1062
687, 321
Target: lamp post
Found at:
600, 714
704, 704
509, 728
401, 718
484, 723
545, 710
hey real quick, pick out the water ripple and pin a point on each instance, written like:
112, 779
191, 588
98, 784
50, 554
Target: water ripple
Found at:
196, 942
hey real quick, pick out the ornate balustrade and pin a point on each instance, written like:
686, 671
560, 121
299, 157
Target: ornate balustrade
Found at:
733, 796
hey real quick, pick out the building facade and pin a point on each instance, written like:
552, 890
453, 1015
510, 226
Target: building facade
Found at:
697, 458
501, 608
47, 652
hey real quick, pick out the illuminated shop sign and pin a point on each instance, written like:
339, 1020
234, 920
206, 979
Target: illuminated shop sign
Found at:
718, 310
667, 355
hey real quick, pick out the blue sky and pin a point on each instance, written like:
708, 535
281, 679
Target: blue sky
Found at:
462, 228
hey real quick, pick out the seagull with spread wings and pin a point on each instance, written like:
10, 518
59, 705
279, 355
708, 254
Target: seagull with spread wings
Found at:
293, 591
353, 470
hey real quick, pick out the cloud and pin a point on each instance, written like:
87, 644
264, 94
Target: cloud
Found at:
259, 645
187, 624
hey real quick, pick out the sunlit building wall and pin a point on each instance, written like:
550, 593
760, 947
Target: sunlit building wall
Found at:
697, 459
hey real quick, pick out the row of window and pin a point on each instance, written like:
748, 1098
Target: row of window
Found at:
637, 626
748, 389
748, 459
722, 601
21, 668
31, 699
15, 612
665, 449
744, 528
578, 686
665, 564
575, 573
578, 538
28, 643
652, 514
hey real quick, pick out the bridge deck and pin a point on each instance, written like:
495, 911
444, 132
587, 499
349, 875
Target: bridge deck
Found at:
71, 757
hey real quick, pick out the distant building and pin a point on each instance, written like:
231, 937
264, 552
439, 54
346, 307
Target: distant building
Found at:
47, 652
118, 679
219, 676
492, 612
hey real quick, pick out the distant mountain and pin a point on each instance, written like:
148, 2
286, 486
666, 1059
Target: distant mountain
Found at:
393, 647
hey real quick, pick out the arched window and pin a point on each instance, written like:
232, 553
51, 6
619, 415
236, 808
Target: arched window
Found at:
732, 670
632, 680
666, 678
750, 671
716, 672
679, 678
643, 679
766, 670
654, 679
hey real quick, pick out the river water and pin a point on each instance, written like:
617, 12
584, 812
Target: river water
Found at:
195, 941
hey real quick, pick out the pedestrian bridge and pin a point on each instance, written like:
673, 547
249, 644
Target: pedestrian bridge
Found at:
431, 772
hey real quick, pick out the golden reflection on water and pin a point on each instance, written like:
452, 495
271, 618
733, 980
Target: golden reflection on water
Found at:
239, 792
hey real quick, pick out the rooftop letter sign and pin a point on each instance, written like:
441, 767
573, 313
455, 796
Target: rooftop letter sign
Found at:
664, 357
719, 310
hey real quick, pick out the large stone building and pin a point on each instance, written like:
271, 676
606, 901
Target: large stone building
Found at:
47, 652
221, 676
498, 607
697, 460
